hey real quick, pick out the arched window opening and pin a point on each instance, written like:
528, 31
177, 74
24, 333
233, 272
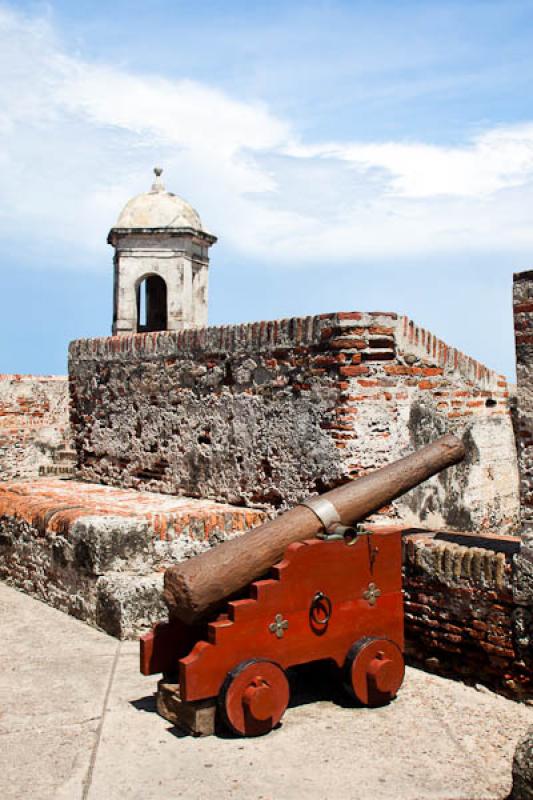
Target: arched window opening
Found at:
152, 304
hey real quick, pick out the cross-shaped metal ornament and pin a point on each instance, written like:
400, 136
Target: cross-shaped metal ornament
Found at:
279, 626
372, 594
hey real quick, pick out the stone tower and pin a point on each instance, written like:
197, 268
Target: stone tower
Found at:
161, 263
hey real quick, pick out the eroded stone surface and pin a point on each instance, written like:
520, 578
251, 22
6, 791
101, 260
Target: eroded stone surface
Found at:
523, 323
523, 571
35, 437
523, 769
267, 413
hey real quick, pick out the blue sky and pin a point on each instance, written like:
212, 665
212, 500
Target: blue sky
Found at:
349, 155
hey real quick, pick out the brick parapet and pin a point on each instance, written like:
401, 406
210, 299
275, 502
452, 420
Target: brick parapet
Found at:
251, 337
380, 331
414, 340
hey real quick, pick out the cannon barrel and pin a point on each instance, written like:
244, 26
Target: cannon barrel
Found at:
197, 587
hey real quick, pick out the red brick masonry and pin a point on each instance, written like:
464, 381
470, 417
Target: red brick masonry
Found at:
461, 617
35, 436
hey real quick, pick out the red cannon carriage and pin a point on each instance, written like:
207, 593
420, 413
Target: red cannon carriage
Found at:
338, 600
237, 623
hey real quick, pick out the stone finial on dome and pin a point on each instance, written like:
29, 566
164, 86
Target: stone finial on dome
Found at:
157, 185
158, 208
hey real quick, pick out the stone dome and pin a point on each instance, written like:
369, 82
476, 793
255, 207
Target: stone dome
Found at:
158, 209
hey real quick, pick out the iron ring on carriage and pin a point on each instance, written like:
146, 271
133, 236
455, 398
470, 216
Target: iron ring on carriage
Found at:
320, 601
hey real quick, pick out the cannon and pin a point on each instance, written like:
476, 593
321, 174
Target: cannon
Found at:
308, 586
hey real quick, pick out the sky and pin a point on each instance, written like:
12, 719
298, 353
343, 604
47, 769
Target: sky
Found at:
348, 155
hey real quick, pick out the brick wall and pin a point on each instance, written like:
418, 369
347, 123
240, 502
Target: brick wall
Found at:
462, 614
469, 599
266, 413
34, 427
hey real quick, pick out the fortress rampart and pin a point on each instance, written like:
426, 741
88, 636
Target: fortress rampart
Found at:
264, 414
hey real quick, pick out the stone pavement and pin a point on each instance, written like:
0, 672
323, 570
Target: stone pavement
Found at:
77, 722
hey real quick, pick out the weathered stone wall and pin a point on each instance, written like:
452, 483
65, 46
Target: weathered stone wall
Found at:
523, 321
523, 768
266, 413
463, 616
35, 437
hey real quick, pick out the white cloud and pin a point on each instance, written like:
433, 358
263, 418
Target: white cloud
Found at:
494, 160
77, 139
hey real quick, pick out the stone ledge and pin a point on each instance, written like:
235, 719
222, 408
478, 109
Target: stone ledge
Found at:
98, 553
54, 506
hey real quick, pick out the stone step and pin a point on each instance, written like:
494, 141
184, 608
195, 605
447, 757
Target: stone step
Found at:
128, 605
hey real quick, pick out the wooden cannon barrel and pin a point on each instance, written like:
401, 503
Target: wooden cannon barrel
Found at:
196, 587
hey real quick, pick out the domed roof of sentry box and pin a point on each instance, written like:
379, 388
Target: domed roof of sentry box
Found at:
158, 209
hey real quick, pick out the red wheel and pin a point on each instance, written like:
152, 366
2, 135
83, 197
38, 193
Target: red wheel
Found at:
373, 671
254, 697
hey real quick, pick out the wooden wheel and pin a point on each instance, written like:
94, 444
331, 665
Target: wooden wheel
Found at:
254, 697
373, 671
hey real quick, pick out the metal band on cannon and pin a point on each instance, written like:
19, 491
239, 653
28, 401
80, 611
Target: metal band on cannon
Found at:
326, 513
197, 587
